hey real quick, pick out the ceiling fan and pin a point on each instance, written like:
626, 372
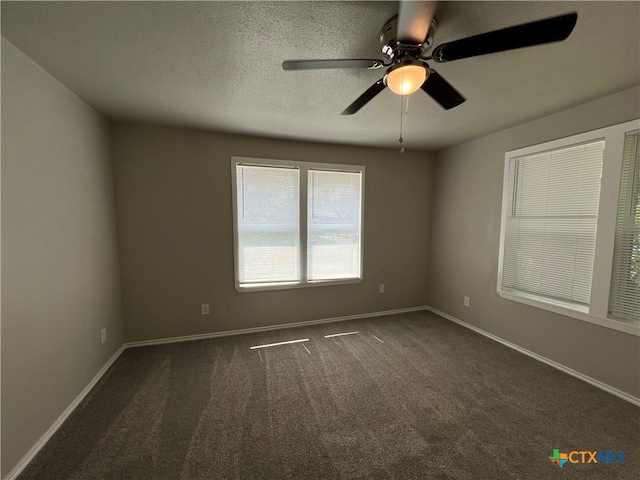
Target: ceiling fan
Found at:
407, 39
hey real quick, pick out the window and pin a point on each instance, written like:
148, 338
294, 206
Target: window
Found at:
296, 224
333, 223
558, 229
551, 222
625, 283
268, 206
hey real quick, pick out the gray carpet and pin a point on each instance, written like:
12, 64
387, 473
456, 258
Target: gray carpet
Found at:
425, 399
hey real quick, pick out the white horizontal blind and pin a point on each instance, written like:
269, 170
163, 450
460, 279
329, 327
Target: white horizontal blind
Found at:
625, 283
333, 224
268, 224
552, 213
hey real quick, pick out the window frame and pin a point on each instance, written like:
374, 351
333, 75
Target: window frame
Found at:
597, 312
304, 168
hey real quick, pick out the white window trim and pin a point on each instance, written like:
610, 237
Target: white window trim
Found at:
304, 167
597, 312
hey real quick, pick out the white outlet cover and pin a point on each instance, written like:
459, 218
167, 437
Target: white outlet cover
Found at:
204, 309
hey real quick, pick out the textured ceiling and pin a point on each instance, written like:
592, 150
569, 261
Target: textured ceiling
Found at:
217, 65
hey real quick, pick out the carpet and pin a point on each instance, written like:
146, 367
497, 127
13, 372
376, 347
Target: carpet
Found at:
409, 396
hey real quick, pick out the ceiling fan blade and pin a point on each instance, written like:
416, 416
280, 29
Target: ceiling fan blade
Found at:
363, 99
414, 20
442, 91
526, 35
340, 63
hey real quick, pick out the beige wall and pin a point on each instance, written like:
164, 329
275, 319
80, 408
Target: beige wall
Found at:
173, 197
465, 240
60, 280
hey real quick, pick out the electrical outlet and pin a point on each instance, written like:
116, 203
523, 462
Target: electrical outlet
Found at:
381, 288
466, 301
204, 309
103, 335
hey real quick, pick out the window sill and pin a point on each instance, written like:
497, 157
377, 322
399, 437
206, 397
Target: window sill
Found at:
574, 311
262, 287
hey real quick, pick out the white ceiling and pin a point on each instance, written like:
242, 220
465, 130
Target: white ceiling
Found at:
217, 65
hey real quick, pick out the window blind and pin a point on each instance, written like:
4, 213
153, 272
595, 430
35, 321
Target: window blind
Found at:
625, 282
268, 224
333, 224
550, 231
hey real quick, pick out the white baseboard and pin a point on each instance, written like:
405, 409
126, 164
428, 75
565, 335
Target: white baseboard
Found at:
17, 470
596, 383
203, 336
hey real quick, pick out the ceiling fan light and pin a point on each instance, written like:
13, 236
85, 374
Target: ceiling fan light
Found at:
406, 79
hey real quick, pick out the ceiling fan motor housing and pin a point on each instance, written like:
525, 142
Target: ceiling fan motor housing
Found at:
394, 50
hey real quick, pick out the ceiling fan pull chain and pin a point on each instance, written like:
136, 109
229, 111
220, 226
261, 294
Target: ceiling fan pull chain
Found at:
401, 140
403, 120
